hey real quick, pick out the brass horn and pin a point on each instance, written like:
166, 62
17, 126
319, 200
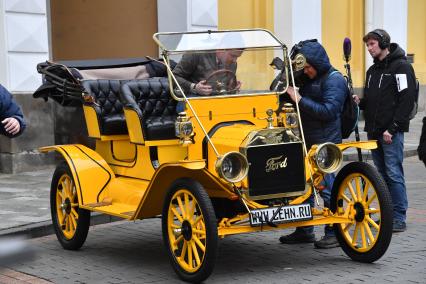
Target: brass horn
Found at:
298, 62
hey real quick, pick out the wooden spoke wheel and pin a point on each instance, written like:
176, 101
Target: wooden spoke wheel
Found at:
190, 230
70, 222
361, 193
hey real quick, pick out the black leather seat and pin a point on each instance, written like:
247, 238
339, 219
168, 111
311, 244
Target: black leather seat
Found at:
156, 109
108, 107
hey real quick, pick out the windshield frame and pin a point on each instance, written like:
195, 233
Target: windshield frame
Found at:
162, 45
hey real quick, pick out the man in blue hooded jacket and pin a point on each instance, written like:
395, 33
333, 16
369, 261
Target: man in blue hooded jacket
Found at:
320, 100
11, 117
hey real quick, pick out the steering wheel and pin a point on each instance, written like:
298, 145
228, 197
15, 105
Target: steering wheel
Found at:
222, 81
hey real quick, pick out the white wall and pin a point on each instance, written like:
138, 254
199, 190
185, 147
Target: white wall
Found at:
187, 15
390, 15
297, 20
24, 43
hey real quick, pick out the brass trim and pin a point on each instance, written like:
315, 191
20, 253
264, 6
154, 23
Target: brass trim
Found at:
244, 169
279, 195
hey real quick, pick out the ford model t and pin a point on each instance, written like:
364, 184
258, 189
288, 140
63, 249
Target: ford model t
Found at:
232, 161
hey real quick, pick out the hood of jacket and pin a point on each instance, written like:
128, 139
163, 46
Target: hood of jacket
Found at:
316, 56
395, 53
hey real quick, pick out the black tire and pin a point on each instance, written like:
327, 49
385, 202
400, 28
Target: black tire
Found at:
71, 223
182, 230
372, 212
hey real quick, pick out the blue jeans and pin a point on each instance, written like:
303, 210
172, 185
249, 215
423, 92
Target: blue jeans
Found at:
326, 196
388, 160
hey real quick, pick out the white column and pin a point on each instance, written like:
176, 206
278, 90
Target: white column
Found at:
24, 43
390, 15
297, 20
3, 47
187, 15
202, 15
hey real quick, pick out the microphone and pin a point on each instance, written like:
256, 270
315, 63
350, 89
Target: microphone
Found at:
347, 48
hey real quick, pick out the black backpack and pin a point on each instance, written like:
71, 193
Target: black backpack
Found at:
350, 113
416, 101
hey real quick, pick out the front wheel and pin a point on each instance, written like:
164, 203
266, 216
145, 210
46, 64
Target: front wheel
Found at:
70, 222
190, 230
360, 192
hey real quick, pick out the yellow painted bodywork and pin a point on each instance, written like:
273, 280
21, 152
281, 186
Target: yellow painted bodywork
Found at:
251, 109
134, 126
88, 168
129, 177
92, 122
100, 189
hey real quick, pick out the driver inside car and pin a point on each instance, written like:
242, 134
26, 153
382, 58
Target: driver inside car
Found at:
208, 73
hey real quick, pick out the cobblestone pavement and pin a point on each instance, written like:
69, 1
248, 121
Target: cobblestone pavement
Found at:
133, 252
24, 198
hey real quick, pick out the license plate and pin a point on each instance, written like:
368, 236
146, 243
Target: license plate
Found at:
284, 214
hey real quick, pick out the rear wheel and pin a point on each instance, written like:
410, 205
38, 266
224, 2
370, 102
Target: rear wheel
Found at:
360, 192
190, 230
70, 222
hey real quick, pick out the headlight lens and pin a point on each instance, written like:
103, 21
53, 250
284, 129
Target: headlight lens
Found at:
328, 157
291, 120
233, 167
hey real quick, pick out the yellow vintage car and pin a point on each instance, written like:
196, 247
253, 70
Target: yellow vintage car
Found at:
230, 162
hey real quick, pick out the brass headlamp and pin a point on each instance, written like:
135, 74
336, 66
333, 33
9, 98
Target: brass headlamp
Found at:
288, 116
184, 129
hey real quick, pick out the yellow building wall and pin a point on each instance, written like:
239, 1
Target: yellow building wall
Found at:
340, 19
238, 14
416, 36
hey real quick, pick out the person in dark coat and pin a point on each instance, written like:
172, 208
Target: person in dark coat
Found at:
421, 150
11, 117
389, 95
320, 102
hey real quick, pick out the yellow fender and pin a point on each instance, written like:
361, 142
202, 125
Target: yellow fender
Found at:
366, 145
153, 200
88, 169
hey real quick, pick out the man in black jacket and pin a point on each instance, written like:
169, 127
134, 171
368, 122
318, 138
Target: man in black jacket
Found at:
389, 94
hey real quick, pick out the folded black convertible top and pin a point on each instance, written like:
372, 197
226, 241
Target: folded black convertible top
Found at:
61, 80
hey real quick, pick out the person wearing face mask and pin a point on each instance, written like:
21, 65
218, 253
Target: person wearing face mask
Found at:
320, 100
389, 95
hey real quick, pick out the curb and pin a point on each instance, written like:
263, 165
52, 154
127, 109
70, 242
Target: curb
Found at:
44, 228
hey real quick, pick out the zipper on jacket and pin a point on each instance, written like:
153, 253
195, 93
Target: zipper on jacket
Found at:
368, 84
380, 82
377, 104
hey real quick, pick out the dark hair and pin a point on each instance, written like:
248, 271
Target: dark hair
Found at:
380, 35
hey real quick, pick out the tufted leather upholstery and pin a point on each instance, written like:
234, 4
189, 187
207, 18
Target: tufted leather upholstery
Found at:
156, 109
109, 109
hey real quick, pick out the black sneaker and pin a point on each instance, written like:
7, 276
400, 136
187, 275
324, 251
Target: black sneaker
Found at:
399, 226
327, 242
297, 237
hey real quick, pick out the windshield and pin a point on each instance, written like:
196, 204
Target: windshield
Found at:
225, 72
213, 40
